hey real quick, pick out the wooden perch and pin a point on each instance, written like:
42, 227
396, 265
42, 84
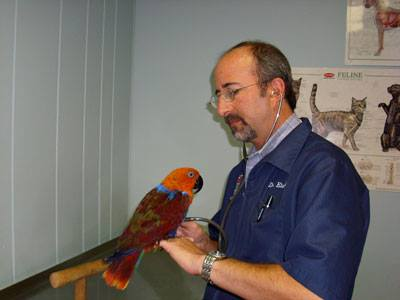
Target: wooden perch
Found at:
78, 273
63, 277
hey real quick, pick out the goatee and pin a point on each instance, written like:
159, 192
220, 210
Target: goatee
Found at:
243, 133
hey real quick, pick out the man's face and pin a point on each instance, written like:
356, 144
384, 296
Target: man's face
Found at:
247, 114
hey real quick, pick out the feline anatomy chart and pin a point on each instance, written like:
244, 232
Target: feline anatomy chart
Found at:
350, 98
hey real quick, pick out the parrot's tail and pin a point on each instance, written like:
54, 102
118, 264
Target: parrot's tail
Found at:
121, 267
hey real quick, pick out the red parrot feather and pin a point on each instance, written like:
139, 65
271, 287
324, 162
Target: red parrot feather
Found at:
157, 216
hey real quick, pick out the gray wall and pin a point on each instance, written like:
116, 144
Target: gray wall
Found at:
64, 129
176, 44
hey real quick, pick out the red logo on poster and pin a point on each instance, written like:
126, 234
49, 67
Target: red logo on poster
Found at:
329, 75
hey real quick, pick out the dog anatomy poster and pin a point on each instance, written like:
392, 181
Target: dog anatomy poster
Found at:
373, 32
359, 111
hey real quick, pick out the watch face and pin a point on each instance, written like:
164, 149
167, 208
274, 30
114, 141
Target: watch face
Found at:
218, 254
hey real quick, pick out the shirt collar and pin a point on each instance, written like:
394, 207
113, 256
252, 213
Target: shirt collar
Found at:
285, 154
291, 123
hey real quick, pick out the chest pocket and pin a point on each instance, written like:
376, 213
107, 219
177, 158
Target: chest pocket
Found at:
265, 223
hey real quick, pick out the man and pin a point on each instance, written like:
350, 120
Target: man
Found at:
298, 221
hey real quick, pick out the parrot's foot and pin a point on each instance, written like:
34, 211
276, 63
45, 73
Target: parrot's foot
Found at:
153, 248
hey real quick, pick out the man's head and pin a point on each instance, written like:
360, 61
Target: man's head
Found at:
251, 79
270, 63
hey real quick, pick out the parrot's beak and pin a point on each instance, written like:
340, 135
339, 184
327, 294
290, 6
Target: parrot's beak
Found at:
198, 185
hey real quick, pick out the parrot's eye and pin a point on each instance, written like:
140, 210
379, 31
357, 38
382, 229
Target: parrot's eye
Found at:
190, 174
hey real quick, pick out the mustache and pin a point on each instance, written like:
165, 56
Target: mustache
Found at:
231, 118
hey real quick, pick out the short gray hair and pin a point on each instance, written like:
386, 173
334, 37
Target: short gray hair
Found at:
270, 63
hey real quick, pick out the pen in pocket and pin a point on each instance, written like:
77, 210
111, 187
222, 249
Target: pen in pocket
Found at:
268, 202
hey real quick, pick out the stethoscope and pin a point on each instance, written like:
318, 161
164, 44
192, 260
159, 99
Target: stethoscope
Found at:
222, 239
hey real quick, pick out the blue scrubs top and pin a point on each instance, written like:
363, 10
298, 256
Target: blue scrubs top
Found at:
316, 224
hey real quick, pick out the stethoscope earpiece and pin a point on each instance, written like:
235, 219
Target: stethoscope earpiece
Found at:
273, 93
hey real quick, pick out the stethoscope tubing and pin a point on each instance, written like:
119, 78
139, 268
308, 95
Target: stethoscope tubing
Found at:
222, 239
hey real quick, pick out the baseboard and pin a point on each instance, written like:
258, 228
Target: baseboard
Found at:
16, 290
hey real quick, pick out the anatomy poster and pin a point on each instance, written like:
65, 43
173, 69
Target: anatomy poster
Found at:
373, 32
359, 111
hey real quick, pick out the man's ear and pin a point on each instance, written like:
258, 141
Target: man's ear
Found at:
277, 87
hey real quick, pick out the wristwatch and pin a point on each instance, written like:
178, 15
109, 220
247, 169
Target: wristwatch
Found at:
208, 262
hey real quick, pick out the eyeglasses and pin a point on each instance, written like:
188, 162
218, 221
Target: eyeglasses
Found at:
228, 95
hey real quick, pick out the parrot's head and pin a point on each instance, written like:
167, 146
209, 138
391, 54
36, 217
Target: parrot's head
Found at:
186, 180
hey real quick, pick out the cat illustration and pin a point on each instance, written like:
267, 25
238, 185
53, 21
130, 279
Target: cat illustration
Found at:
390, 137
344, 121
296, 87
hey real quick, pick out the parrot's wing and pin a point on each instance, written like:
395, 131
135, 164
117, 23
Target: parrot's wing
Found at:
158, 214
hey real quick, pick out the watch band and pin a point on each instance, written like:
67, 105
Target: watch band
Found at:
208, 263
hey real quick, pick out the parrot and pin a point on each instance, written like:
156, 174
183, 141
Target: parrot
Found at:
156, 217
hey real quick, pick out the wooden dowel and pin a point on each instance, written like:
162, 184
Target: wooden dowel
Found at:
80, 289
63, 277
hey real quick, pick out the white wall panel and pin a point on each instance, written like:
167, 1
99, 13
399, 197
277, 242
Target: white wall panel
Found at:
120, 152
6, 101
106, 111
57, 129
91, 126
70, 124
35, 132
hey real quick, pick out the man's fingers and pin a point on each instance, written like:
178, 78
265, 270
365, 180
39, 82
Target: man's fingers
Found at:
188, 225
179, 232
164, 244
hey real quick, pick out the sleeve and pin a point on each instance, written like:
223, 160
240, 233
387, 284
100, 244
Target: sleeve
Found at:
331, 222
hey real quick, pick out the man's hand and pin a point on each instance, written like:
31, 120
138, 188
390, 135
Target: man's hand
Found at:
196, 234
249, 281
186, 254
